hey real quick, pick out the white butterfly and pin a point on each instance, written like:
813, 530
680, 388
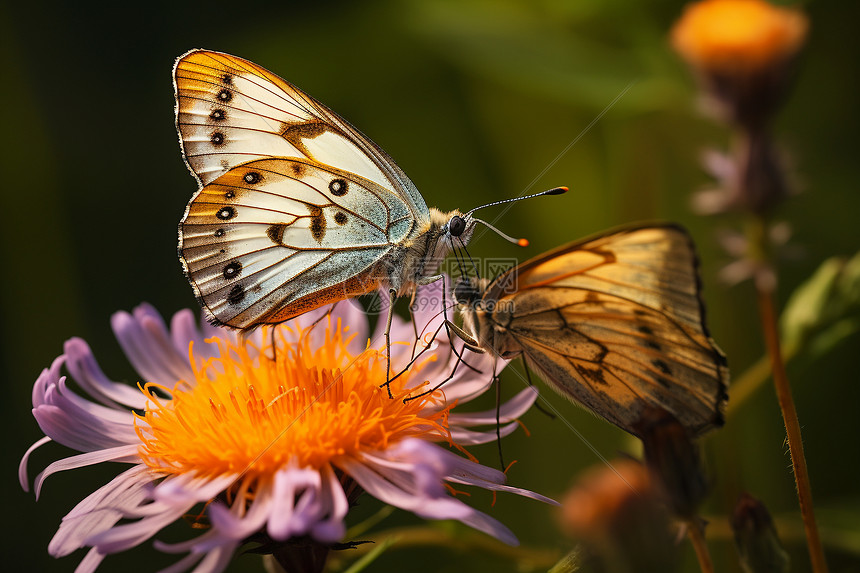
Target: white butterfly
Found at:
296, 208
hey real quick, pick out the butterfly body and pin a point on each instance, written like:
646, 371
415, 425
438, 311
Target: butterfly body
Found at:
613, 322
296, 208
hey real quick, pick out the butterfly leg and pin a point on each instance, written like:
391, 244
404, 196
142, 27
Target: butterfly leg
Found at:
498, 383
392, 296
414, 324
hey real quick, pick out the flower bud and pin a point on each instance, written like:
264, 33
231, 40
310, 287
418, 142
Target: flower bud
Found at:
621, 522
758, 546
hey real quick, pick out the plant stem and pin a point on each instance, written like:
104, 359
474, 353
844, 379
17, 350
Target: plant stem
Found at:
697, 537
792, 428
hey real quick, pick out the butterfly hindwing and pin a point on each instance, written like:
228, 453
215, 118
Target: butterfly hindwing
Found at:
616, 323
272, 231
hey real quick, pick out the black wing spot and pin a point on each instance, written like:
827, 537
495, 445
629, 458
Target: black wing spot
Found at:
225, 95
252, 177
233, 270
317, 223
645, 329
276, 233
594, 374
298, 169
226, 213
218, 115
237, 295
662, 366
219, 232
651, 343
338, 187
340, 218
229, 195
217, 138
227, 79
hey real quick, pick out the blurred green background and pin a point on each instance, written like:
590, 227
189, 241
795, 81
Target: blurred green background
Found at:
475, 100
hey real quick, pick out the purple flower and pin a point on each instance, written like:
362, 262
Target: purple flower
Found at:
276, 442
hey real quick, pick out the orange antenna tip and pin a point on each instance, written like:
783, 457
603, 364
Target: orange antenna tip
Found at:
523, 242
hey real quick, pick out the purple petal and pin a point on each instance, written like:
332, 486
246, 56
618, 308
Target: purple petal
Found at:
379, 483
185, 329
128, 535
471, 437
119, 454
483, 522
236, 524
148, 346
47, 379
287, 483
22, 465
335, 506
90, 562
83, 367
352, 316
100, 511
510, 410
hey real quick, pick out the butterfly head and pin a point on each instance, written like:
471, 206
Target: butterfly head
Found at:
448, 232
459, 228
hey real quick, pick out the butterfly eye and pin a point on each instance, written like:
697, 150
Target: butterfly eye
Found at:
456, 226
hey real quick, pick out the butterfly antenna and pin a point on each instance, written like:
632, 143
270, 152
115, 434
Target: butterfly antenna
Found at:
520, 242
556, 191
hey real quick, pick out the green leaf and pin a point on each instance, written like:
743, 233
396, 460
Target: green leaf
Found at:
825, 309
570, 563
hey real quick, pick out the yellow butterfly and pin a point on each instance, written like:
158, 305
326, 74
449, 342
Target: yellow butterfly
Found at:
296, 208
614, 322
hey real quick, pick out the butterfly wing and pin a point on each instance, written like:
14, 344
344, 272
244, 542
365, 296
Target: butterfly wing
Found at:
273, 238
230, 111
295, 207
628, 304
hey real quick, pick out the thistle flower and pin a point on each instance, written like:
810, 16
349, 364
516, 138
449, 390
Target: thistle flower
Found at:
277, 448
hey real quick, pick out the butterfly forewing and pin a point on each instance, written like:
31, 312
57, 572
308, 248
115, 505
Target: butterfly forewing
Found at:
231, 111
617, 324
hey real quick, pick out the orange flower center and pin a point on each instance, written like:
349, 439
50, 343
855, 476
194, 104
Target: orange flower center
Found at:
246, 413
